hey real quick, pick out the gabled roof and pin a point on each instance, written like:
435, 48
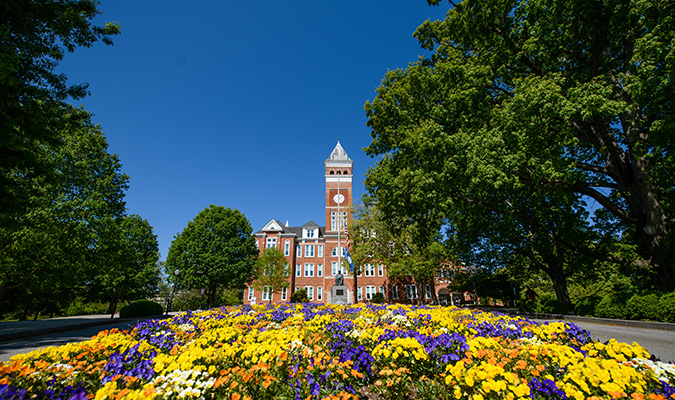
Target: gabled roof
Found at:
311, 225
273, 226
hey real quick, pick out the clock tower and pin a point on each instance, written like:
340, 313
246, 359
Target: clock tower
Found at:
338, 168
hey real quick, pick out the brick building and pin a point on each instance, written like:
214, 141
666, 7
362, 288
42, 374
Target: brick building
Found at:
314, 252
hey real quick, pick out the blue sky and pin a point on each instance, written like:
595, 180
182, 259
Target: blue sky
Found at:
238, 103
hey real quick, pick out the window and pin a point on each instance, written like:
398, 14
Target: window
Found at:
267, 293
257, 245
334, 268
309, 250
360, 295
309, 269
428, 290
251, 292
298, 270
369, 270
411, 292
333, 220
298, 251
319, 270
335, 251
380, 270
394, 292
370, 291
297, 288
271, 242
310, 292
382, 289
284, 293
319, 250
287, 247
319, 293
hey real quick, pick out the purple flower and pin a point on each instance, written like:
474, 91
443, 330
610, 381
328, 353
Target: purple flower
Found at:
546, 389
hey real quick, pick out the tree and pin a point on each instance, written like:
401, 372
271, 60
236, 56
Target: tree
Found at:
571, 100
272, 271
33, 39
215, 251
131, 252
407, 248
50, 248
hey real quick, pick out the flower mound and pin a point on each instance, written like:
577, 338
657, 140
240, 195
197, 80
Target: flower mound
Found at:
309, 351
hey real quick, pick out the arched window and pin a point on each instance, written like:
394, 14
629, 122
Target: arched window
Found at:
346, 173
338, 172
332, 172
335, 252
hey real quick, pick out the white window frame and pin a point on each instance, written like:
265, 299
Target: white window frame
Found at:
266, 293
298, 270
411, 291
271, 242
335, 250
309, 250
319, 250
284, 293
319, 270
310, 292
359, 292
382, 289
287, 248
369, 270
428, 291
251, 292
298, 251
309, 270
319, 293
380, 270
394, 292
370, 291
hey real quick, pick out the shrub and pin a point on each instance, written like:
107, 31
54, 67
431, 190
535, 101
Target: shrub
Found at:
556, 307
586, 305
530, 306
667, 308
643, 307
141, 308
612, 306
299, 296
378, 298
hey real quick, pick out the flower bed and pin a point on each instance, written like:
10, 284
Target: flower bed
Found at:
340, 352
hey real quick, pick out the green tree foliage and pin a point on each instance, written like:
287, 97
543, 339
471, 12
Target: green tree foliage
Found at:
271, 271
34, 36
215, 251
130, 252
527, 112
409, 248
53, 245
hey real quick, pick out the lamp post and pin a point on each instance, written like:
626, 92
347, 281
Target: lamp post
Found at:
173, 292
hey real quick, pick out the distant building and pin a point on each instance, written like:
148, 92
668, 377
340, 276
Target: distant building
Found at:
314, 252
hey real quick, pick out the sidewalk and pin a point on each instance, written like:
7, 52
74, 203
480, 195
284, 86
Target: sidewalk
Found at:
16, 330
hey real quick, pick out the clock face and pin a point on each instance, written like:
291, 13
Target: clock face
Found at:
339, 198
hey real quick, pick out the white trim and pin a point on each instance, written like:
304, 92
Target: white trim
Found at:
272, 226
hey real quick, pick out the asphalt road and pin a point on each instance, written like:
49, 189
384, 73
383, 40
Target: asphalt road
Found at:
658, 342
9, 349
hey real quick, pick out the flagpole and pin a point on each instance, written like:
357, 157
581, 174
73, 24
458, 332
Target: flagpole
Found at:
339, 223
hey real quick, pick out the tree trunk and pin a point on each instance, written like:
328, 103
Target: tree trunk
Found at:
112, 307
554, 270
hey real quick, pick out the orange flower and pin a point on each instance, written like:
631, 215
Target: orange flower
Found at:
236, 396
